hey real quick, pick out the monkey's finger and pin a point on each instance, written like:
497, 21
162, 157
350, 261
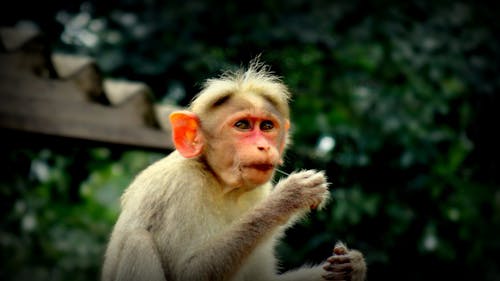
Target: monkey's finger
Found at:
318, 191
314, 202
304, 174
339, 259
321, 189
318, 179
314, 180
340, 250
338, 267
336, 276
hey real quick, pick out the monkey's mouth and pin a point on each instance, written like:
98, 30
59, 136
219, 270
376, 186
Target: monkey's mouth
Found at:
263, 167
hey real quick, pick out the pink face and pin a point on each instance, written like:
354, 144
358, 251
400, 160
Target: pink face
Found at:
247, 146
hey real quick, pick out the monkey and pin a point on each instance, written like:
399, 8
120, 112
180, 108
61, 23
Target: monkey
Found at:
209, 210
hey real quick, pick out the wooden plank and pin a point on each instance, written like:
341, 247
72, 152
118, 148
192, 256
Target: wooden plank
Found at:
55, 107
138, 137
83, 121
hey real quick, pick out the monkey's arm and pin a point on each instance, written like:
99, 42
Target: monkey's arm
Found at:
138, 259
303, 274
223, 256
345, 264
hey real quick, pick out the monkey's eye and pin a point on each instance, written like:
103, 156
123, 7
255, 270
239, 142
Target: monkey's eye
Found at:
266, 125
243, 124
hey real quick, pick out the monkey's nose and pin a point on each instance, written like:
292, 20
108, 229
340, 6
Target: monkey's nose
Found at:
263, 148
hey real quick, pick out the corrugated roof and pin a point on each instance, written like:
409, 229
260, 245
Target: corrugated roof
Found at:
66, 95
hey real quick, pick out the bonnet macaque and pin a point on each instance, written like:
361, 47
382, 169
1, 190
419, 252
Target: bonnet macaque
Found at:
209, 211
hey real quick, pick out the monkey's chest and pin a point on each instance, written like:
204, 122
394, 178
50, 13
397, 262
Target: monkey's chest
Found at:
260, 264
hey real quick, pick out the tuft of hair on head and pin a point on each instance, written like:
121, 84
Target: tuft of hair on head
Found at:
257, 78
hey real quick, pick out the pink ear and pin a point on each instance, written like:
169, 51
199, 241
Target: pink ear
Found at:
186, 134
283, 143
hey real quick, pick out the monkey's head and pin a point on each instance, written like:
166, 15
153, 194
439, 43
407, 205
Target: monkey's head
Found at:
238, 124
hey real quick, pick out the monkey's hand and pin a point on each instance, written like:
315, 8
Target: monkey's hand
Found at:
300, 191
345, 264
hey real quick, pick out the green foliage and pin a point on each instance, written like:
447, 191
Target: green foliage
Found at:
396, 101
58, 221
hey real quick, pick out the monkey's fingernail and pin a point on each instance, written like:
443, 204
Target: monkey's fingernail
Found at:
339, 251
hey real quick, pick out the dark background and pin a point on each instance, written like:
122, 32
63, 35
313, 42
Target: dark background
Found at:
396, 100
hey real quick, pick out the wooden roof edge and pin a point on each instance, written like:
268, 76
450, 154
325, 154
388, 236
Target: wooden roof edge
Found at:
68, 65
131, 97
119, 91
14, 38
27, 138
81, 69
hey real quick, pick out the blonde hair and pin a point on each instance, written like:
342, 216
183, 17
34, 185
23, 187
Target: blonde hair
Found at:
256, 79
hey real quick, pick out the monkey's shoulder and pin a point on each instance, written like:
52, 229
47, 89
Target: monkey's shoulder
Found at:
165, 178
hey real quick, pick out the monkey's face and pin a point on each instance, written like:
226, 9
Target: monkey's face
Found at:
246, 145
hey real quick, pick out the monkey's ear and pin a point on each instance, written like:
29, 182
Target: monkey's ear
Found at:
285, 141
186, 134
287, 125
286, 138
